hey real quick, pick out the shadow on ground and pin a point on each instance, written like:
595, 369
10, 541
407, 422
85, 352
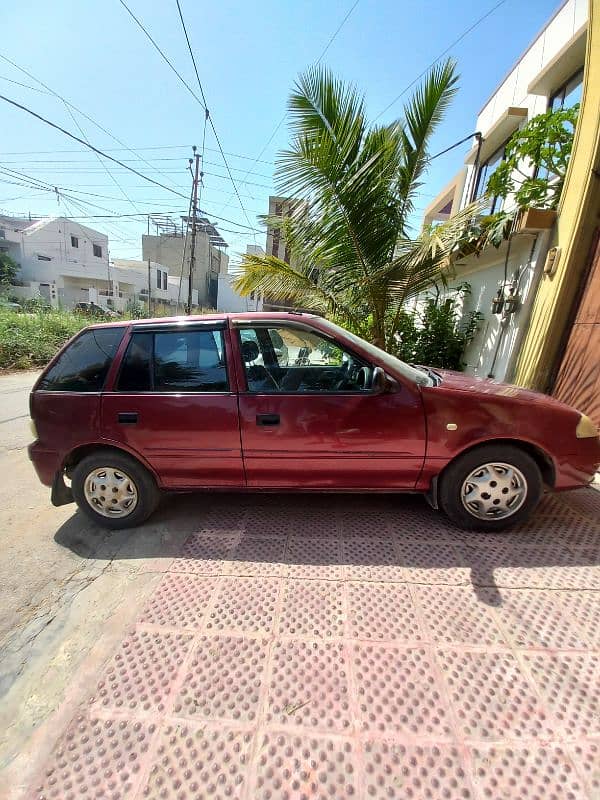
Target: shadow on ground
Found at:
354, 537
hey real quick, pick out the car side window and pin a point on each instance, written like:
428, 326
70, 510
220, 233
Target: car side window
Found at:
84, 365
175, 361
293, 360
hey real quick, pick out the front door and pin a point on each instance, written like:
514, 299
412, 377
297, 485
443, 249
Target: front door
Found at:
172, 404
310, 419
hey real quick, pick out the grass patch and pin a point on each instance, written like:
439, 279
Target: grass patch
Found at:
31, 340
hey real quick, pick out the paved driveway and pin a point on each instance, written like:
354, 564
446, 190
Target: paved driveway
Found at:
336, 647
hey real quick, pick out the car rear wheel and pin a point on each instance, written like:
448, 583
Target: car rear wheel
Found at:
114, 489
490, 488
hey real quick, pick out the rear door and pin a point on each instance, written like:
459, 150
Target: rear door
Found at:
310, 419
173, 403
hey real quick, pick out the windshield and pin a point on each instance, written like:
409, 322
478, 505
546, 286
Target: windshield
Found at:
395, 364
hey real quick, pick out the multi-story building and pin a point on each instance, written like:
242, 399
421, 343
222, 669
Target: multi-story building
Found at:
169, 247
549, 74
59, 259
276, 244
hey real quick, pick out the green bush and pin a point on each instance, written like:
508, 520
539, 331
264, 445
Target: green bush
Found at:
31, 340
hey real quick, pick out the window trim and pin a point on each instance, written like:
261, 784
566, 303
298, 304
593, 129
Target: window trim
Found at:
562, 88
246, 325
94, 248
171, 328
494, 199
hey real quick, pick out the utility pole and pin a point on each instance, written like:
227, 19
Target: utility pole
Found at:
193, 242
149, 273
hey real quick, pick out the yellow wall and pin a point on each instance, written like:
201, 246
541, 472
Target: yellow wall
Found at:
579, 215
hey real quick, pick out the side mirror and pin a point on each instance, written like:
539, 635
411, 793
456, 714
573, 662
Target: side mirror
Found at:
382, 383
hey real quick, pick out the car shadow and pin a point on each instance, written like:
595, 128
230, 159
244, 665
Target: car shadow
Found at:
371, 537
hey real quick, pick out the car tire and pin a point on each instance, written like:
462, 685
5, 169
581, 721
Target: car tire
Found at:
114, 490
490, 488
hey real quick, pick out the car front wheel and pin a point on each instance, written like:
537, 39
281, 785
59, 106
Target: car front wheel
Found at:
490, 488
114, 489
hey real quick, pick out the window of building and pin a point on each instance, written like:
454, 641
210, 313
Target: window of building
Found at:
292, 361
165, 281
158, 279
74, 241
487, 169
43, 258
175, 361
568, 94
84, 365
97, 251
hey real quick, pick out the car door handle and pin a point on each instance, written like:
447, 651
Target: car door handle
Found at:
267, 420
127, 418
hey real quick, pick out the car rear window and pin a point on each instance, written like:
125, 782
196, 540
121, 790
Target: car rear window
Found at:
175, 361
84, 365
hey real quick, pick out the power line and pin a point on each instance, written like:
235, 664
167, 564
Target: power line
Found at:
282, 120
36, 183
90, 146
208, 116
69, 105
441, 55
130, 149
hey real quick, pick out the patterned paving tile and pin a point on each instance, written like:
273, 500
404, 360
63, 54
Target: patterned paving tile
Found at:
382, 611
371, 559
570, 684
180, 601
309, 686
365, 523
492, 697
536, 618
96, 758
397, 691
298, 767
456, 615
313, 557
194, 762
312, 608
224, 679
245, 605
584, 501
394, 770
204, 553
528, 772
586, 754
141, 675
582, 609
256, 556
429, 563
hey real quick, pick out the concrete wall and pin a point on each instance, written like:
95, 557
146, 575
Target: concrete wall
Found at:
230, 300
168, 249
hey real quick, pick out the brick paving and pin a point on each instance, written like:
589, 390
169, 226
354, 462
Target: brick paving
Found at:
352, 647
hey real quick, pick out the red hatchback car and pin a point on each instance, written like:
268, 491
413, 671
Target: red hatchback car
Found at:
290, 401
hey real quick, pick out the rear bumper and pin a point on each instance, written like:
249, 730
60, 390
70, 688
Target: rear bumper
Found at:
46, 462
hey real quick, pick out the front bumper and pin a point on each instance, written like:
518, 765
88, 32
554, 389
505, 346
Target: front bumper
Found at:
579, 469
46, 462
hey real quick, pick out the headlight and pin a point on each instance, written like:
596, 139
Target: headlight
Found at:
586, 428
33, 429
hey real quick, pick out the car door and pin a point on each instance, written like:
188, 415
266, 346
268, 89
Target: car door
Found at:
310, 419
172, 402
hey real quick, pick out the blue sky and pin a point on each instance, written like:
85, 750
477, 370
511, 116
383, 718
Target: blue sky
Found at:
248, 55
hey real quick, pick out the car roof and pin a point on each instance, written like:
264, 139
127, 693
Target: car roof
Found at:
240, 315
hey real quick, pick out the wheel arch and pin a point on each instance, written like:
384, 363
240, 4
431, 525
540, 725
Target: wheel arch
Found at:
78, 453
543, 459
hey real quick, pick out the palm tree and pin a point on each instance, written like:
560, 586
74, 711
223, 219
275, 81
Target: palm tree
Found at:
348, 234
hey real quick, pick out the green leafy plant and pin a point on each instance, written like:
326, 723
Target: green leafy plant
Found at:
351, 253
8, 270
545, 142
30, 340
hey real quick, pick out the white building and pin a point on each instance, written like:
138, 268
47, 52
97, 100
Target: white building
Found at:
228, 299
59, 259
548, 75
